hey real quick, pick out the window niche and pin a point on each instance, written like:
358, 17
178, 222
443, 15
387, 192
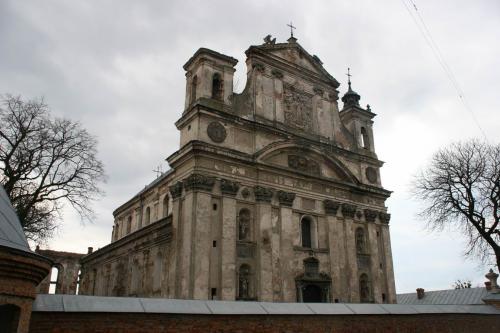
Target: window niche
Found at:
364, 140
217, 87
194, 85
307, 235
165, 206
244, 225
147, 217
245, 283
129, 224
360, 241
364, 289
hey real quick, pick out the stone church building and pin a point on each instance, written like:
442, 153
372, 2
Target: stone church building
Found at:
274, 194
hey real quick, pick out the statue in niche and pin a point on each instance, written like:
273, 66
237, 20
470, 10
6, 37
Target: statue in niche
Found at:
244, 224
244, 282
360, 241
364, 290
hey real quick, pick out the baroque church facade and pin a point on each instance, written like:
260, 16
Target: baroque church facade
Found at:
274, 194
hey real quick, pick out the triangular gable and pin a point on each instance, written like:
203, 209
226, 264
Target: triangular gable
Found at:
295, 54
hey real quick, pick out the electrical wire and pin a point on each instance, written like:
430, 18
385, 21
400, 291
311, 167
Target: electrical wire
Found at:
425, 32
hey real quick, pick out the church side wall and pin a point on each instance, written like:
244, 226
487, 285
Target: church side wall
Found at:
135, 265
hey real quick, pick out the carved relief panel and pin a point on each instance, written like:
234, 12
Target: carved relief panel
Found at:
298, 108
303, 164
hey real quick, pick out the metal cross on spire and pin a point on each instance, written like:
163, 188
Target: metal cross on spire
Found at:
291, 28
349, 77
158, 171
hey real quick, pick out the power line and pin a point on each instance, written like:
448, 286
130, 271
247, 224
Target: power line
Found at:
425, 32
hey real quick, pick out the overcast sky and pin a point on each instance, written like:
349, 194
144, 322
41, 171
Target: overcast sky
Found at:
116, 67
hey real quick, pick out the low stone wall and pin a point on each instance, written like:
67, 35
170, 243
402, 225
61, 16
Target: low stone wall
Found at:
153, 322
64, 313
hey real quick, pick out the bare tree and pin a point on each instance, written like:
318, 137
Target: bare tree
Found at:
44, 163
459, 284
461, 188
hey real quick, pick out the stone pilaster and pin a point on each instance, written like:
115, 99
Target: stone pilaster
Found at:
289, 291
337, 251
184, 254
389, 269
263, 197
375, 271
173, 253
201, 246
228, 249
348, 211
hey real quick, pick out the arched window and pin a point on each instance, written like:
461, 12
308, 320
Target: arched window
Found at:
364, 288
305, 228
129, 224
360, 241
147, 218
165, 206
78, 280
138, 218
217, 87
244, 221
54, 277
244, 282
194, 84
364, 141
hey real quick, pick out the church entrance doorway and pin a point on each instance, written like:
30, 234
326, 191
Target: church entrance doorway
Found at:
312, 294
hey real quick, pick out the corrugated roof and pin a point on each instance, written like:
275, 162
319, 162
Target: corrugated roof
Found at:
469, 296
11, 232
77, 303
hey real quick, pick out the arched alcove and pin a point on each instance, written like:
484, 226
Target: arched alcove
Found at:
244, 224
217, 91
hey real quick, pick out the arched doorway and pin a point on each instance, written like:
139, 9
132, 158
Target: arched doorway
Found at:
312, 294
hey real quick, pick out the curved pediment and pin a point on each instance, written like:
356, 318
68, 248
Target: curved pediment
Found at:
305, 160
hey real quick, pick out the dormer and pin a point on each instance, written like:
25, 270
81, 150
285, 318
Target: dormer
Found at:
209, 74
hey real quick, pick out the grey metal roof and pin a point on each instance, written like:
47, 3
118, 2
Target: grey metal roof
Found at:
11, 232
74, 303
450, 296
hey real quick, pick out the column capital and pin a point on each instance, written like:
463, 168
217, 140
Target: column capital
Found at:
286, 198
370, 215
176, 190
229, 187
384, 217
348, 210
263, 194
331, 207
198, 181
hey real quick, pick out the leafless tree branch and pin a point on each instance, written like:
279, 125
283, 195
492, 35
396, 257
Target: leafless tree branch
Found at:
44, 163
461, 188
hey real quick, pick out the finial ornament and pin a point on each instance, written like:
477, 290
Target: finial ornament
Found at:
349, 77
291, 29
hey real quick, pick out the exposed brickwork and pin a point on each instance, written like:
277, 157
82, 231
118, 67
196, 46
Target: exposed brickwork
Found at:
20, 272
123, 322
